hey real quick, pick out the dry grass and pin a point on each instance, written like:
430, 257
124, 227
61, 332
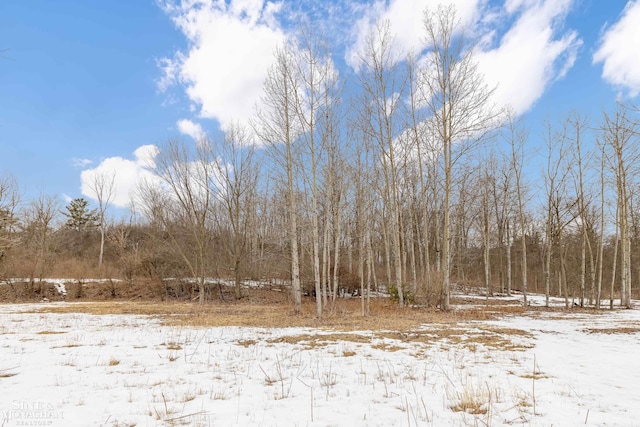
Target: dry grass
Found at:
618, 330
491, 337
6, 373
276, 314
409, 325
472, 399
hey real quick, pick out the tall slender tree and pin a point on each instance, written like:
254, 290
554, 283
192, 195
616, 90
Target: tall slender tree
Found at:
460, 104
102, 187
516, 137
620, 134
277, 126
383, 87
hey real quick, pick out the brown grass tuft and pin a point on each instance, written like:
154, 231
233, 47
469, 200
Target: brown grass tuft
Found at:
618, 330
6, 373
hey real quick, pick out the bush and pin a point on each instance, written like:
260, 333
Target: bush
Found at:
408, 295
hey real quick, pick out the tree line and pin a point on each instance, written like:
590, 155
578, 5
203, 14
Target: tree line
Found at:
407, 179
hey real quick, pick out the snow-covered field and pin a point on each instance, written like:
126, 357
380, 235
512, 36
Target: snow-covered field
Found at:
554, 369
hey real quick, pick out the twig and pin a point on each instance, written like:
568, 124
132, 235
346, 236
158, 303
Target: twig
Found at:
166, 409
534, 384
186, 416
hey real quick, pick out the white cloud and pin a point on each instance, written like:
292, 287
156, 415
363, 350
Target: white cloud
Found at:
531, 54
127, 173
523, 47
81, 163
619, 51
405, 19
190, 128
231, 47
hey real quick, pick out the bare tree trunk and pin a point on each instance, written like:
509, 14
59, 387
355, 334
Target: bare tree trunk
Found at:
619, 132
102, 187
381, 89
325, 263
524, 256
387, 252
277, 128
583, 267
459, 102
563, 271
368, 272
412, 263
517, 138
547, 264
614, 268
508, 258
336, 252
602, 224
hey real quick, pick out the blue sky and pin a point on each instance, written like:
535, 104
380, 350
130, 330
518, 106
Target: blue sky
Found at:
98, 85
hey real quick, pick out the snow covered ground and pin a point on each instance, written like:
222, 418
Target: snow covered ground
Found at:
553, 369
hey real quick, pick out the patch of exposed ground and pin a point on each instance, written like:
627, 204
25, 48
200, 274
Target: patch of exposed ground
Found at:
507, 339
617, 330
346, 316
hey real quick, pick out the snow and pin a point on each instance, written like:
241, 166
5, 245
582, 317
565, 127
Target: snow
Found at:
123, 370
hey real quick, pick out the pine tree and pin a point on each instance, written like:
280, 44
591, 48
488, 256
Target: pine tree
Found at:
79, 217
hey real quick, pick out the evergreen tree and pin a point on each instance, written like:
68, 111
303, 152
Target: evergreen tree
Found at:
79, 216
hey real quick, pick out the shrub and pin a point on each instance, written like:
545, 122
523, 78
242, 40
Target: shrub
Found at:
408, 295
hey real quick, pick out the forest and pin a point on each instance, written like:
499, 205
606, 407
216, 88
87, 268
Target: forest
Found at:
407, 180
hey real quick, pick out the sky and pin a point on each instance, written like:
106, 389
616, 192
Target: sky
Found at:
97, 86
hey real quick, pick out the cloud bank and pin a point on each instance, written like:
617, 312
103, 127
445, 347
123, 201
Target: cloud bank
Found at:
523, 47
405, 18
230, 48
619, 51
531, 55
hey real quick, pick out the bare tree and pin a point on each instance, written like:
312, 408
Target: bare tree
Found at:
560, 209
39, 216
235, 180
424, 158
502, 196
517, 136
486, 184
459, 102
620, 135
102, 188
383, 86
335, 177
578, 126
602, 225
182, 203
9, 200
277, 127
316, 93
